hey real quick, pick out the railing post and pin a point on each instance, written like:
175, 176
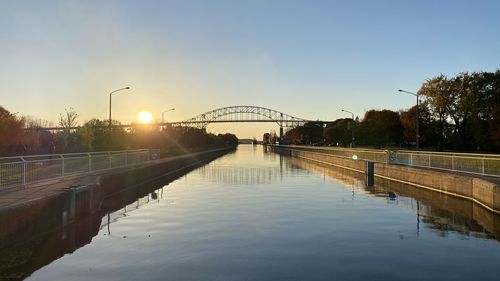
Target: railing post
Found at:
430, 161
62, 165
109, 157
24, 170
452, 162
482, 162
90, 162
411, 159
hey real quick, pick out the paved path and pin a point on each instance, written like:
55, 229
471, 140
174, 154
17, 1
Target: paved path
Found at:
14, 196
19, 195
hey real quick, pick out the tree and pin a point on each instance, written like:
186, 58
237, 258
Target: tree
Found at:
380, 128
427, 127
11, 130
313, 132
32, 135
119, 138
463, 107
229, 139
86, 136
296, 135
484, 124
67, 121
437, 92
93, 135
469, 105
340, 132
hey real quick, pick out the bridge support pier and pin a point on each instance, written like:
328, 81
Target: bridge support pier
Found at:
281, 133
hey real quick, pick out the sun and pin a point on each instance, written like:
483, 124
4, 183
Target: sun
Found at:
145, 117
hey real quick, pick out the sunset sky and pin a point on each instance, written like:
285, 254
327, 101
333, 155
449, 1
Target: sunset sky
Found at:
309, 59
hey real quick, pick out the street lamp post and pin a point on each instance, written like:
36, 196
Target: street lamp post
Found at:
162, 115
417, 134
109, 124
352, 127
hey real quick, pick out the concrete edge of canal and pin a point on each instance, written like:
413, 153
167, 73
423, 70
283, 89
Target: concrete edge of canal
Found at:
113, 182
482, 191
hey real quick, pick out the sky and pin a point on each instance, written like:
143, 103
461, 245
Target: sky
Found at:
309, 59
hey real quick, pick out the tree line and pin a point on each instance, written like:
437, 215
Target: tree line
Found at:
24, 135
456, 113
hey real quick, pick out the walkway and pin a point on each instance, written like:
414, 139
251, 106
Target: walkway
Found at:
15, 196
12, 197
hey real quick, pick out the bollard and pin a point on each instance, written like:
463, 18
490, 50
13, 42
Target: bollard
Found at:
369, 173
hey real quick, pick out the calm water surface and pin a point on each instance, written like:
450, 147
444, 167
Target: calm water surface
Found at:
255, 215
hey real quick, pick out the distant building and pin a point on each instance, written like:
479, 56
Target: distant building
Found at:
265, 138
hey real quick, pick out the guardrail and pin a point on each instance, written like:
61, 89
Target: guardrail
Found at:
362, 154
479, 164
22, 170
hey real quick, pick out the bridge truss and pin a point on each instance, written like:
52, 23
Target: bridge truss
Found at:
229, 114
242, 113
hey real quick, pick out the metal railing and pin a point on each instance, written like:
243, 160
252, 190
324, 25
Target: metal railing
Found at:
362, 154
22, 170
479, 164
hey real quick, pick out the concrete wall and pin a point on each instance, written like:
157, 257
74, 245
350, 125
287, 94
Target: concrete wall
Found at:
480, 190
153, 171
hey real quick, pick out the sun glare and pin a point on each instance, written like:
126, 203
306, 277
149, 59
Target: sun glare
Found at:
145, 117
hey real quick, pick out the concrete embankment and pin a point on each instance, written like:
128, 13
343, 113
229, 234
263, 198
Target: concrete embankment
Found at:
459, 213
483, 191
114, 182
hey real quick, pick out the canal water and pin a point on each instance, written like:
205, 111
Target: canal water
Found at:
256, 215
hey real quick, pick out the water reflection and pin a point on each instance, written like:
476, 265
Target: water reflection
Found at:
248, 175
440, 212
257, 170
34, 236
154, 197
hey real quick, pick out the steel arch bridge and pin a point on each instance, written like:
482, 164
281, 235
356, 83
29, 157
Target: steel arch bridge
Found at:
242, 113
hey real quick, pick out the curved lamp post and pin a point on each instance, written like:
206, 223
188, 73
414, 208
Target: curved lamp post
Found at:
163, 118
109, 124
417, 134
162, 115
352, 127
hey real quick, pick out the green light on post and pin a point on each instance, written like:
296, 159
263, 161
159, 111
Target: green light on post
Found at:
354, 157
